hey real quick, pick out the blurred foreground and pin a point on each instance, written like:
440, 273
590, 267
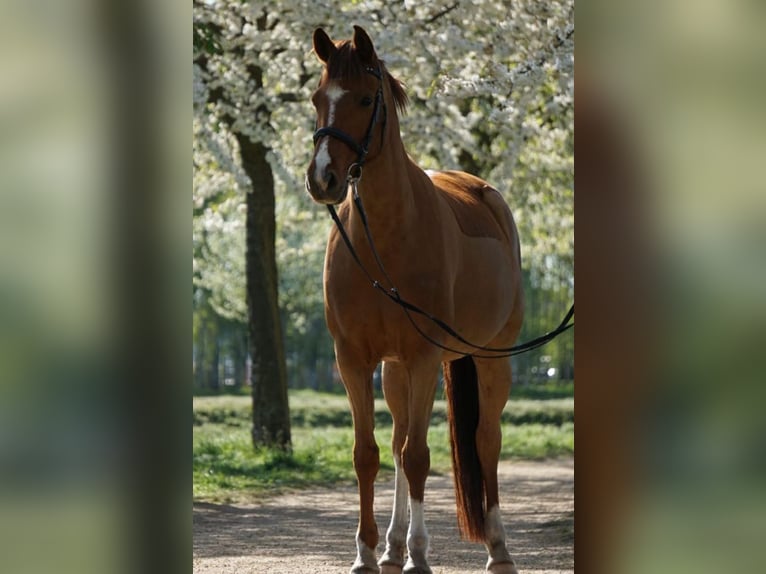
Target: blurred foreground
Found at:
671, 269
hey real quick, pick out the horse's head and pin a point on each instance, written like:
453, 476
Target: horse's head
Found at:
352, 115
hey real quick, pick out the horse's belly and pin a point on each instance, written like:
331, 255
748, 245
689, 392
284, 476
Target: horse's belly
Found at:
485, 290
473, 293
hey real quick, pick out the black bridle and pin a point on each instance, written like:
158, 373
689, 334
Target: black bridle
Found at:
353, 176
361, 149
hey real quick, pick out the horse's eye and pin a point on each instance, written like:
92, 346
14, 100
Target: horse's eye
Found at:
366, 101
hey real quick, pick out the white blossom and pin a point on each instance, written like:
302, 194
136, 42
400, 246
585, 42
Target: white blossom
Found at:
488, 79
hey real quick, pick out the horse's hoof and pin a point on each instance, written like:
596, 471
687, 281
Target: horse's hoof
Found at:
390, 565
364, 569
410, 568
503, 568
391, 562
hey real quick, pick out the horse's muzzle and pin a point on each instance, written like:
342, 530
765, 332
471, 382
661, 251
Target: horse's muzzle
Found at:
329, 190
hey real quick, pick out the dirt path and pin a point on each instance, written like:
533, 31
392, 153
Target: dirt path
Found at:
313, 531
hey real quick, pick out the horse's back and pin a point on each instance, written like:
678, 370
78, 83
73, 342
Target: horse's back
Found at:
478, 208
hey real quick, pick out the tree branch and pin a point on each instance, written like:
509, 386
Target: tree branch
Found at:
442, 13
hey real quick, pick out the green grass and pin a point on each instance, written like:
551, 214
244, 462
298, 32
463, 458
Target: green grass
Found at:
313, 409
552, 389
226, 467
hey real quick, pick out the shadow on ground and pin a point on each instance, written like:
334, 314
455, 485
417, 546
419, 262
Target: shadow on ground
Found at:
313, 531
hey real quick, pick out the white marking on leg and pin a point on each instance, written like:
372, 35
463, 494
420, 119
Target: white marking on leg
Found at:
365, 557
334, 93
494, 525
495, 533
397, 530
417, 537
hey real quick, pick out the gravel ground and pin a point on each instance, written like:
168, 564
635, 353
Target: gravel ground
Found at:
312, 531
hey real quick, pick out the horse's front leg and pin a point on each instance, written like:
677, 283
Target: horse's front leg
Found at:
396, 382
416, 460
357, 378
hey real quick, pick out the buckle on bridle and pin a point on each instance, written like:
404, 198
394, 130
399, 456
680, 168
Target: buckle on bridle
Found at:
354, 173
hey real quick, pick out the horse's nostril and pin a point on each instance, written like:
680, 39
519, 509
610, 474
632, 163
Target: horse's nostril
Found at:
331, 181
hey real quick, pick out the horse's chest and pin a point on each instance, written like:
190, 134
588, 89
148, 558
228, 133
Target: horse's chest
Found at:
359, 306
358, 311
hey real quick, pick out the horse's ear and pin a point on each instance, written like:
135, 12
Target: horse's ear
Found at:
323, 45
363, 46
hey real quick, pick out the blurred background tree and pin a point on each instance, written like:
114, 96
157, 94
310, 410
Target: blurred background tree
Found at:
491, 88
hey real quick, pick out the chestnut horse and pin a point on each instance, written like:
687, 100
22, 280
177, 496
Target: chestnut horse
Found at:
448, 242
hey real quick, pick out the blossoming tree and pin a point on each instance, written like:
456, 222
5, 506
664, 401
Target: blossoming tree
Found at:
491, 89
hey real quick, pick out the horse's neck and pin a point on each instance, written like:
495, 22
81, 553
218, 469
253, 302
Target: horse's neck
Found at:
388, 196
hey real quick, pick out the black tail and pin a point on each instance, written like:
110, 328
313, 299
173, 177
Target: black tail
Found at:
461, 386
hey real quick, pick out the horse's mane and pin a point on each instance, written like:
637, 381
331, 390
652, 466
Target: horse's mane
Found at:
344, 64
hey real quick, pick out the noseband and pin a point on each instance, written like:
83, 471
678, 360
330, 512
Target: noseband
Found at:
355, 170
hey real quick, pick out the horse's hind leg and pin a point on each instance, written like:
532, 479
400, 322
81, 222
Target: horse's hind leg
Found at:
396, 390
494, 385
357, 378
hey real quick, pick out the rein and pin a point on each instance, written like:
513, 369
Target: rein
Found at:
352, 179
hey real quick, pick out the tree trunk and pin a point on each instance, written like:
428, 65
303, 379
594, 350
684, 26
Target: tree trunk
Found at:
271, 416
214, 377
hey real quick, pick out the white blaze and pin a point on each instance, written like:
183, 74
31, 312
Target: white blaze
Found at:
334, 93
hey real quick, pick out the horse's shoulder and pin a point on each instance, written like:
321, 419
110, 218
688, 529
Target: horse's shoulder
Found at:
478, 207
